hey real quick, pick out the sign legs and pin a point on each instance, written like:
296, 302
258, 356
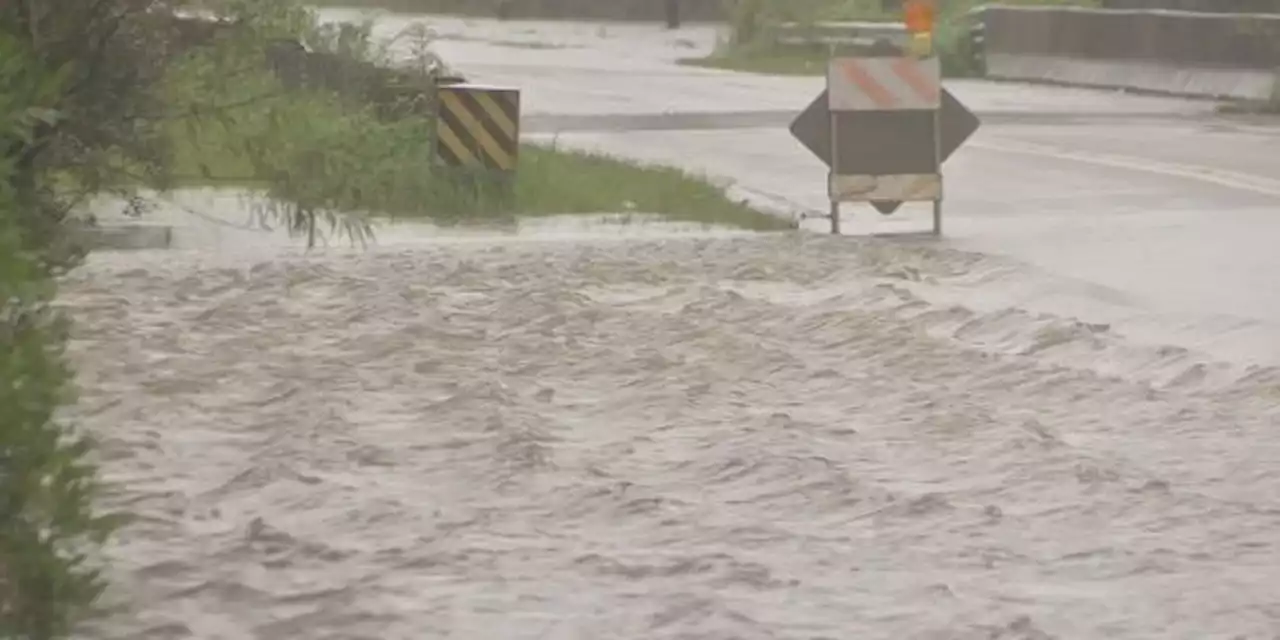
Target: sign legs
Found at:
835, 218
937, 217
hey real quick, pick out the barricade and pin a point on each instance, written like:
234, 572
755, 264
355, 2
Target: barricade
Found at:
1177, 52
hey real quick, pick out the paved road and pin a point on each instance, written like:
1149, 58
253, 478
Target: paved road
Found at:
1149, 213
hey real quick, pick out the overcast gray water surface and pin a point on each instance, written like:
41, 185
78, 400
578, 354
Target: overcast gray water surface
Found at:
699, 437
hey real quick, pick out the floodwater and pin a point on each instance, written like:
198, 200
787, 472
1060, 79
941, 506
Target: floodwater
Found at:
652, 432
696, 436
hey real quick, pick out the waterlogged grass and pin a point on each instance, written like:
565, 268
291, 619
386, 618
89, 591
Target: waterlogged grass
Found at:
549, 181
554, 181
355, 147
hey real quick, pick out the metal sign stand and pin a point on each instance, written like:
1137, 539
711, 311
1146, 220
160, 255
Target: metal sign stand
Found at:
937, 158
869, 128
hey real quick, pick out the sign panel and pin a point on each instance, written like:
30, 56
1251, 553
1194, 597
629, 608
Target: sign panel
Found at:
478, 127
812, 128
884, 84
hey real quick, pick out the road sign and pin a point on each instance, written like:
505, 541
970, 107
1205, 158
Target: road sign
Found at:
812, 128
910, 141
478, 127
883, 84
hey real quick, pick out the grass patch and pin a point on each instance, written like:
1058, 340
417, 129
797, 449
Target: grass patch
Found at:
340, 145
549, 181
554, 181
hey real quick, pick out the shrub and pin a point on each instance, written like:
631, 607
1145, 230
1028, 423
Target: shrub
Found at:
49, 528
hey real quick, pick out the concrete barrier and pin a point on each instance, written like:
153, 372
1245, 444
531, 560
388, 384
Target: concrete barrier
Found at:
1204, 6
1177, 52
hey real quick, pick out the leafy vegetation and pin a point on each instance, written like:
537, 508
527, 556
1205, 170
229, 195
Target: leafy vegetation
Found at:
404, 182
330, 153
120, 97
48, 523
59, 134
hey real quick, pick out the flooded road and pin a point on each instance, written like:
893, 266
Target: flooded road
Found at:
1160, 209
1058, 422
704, 436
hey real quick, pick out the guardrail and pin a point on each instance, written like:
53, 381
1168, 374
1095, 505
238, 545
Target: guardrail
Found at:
1203, 6
1217, 55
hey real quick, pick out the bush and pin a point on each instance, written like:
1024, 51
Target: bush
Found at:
48, 526
325, 137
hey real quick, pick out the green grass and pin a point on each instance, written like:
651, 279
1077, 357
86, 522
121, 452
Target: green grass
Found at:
554, 181
355, 146
548, 181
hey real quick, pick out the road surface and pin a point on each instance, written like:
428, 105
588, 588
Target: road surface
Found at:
1146, 213
1058, 422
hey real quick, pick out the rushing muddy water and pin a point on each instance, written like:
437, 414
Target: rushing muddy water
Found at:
701, 437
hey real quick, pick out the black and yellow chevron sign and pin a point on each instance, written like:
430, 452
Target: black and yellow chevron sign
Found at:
478, 127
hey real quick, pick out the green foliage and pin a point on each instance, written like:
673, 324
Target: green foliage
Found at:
74, 94
49, 528
108, 96
331, 154
88, 67
328, 139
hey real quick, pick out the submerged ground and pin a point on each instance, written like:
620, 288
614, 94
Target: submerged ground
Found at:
1059, 422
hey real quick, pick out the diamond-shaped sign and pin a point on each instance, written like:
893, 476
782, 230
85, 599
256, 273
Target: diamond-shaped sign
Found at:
813, 129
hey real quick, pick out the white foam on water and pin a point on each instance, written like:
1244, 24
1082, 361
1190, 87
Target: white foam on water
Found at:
732, 437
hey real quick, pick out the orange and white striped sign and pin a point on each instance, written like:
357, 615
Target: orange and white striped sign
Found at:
884, 84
